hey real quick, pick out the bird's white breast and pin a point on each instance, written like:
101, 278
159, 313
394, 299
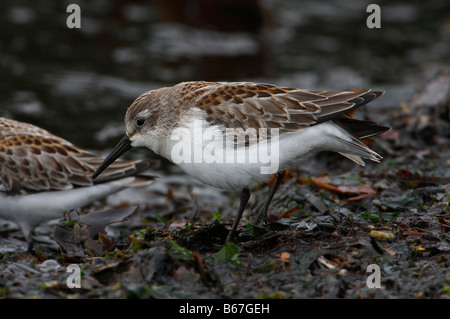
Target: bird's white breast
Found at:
203, 152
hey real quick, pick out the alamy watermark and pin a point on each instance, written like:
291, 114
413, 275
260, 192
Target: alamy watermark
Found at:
74, 279
74, 19
374, 19
234, 146
374, 279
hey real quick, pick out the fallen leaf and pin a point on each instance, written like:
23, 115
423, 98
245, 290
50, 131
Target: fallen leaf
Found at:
179, 223
98, 220
315, 201
87, 236
318, 184
356, 198
289, 212
381, 234
390, 252
363, 188
272, 180
284, 256
325, 262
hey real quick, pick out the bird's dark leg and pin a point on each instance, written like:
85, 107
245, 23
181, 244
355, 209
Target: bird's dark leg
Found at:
261, 218
30, 249
27, 231
245, 195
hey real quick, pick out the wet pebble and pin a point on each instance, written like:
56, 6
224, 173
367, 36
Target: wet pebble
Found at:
48, 266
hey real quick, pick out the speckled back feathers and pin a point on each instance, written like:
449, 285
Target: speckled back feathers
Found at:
33, 160
248, 105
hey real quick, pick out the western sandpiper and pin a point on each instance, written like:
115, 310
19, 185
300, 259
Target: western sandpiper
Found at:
222, 133
43, 175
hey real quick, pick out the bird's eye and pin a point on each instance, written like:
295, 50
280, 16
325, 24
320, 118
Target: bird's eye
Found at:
140, 122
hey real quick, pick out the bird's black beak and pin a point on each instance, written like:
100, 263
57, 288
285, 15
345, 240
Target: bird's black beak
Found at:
123, 146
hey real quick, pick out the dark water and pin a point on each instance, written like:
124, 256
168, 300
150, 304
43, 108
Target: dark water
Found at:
77, 83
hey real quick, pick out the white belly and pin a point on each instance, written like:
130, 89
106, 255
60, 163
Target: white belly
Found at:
207, 157
205, 154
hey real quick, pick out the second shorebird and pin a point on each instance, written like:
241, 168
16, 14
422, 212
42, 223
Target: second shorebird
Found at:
43, 175
221, 132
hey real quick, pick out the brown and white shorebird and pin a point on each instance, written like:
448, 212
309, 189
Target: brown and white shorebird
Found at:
43, 175
234, 135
